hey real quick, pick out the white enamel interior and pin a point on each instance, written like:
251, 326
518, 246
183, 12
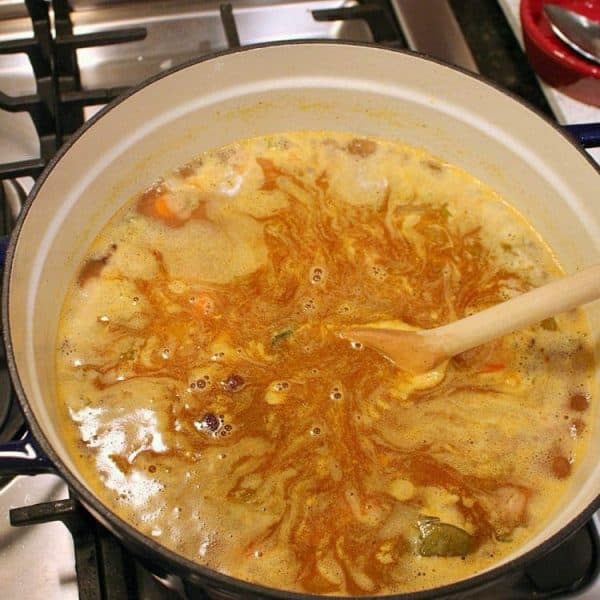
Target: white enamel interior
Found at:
291, 87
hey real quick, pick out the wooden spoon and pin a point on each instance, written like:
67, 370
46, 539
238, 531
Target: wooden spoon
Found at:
419, 351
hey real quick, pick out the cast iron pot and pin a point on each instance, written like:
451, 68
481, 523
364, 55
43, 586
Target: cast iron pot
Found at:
257, 91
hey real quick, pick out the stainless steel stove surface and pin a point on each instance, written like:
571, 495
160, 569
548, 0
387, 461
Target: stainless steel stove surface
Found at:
39, 561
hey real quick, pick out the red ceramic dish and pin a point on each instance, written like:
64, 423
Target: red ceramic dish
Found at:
553, 60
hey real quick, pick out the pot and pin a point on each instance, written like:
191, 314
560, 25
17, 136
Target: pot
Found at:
257, 91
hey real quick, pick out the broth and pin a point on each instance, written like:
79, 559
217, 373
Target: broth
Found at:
208, 400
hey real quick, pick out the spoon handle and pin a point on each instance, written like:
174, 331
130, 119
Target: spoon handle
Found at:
519, 312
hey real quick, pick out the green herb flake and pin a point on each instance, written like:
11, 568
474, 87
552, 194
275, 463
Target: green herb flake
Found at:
281, 337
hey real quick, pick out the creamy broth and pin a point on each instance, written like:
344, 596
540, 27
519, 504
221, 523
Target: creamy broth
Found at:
209, 401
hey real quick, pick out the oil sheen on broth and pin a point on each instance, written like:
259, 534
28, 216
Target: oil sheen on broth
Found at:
208, 400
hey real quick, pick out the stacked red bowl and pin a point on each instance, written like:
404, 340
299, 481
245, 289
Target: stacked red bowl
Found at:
552, 59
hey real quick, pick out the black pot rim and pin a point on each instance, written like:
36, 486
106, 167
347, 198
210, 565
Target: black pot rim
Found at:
183, 567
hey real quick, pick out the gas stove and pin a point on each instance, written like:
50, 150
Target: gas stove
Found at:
49, 546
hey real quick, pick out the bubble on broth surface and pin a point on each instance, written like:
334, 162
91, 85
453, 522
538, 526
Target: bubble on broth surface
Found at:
336, 394
209, 423
309, 305
317, 275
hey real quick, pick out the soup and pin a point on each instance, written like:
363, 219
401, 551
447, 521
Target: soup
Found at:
208, 399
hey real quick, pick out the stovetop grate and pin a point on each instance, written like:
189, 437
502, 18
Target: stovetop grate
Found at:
104, 570
56, 109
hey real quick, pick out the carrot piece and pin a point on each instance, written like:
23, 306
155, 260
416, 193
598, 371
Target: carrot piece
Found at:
492, 367
154, 203
161, 207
